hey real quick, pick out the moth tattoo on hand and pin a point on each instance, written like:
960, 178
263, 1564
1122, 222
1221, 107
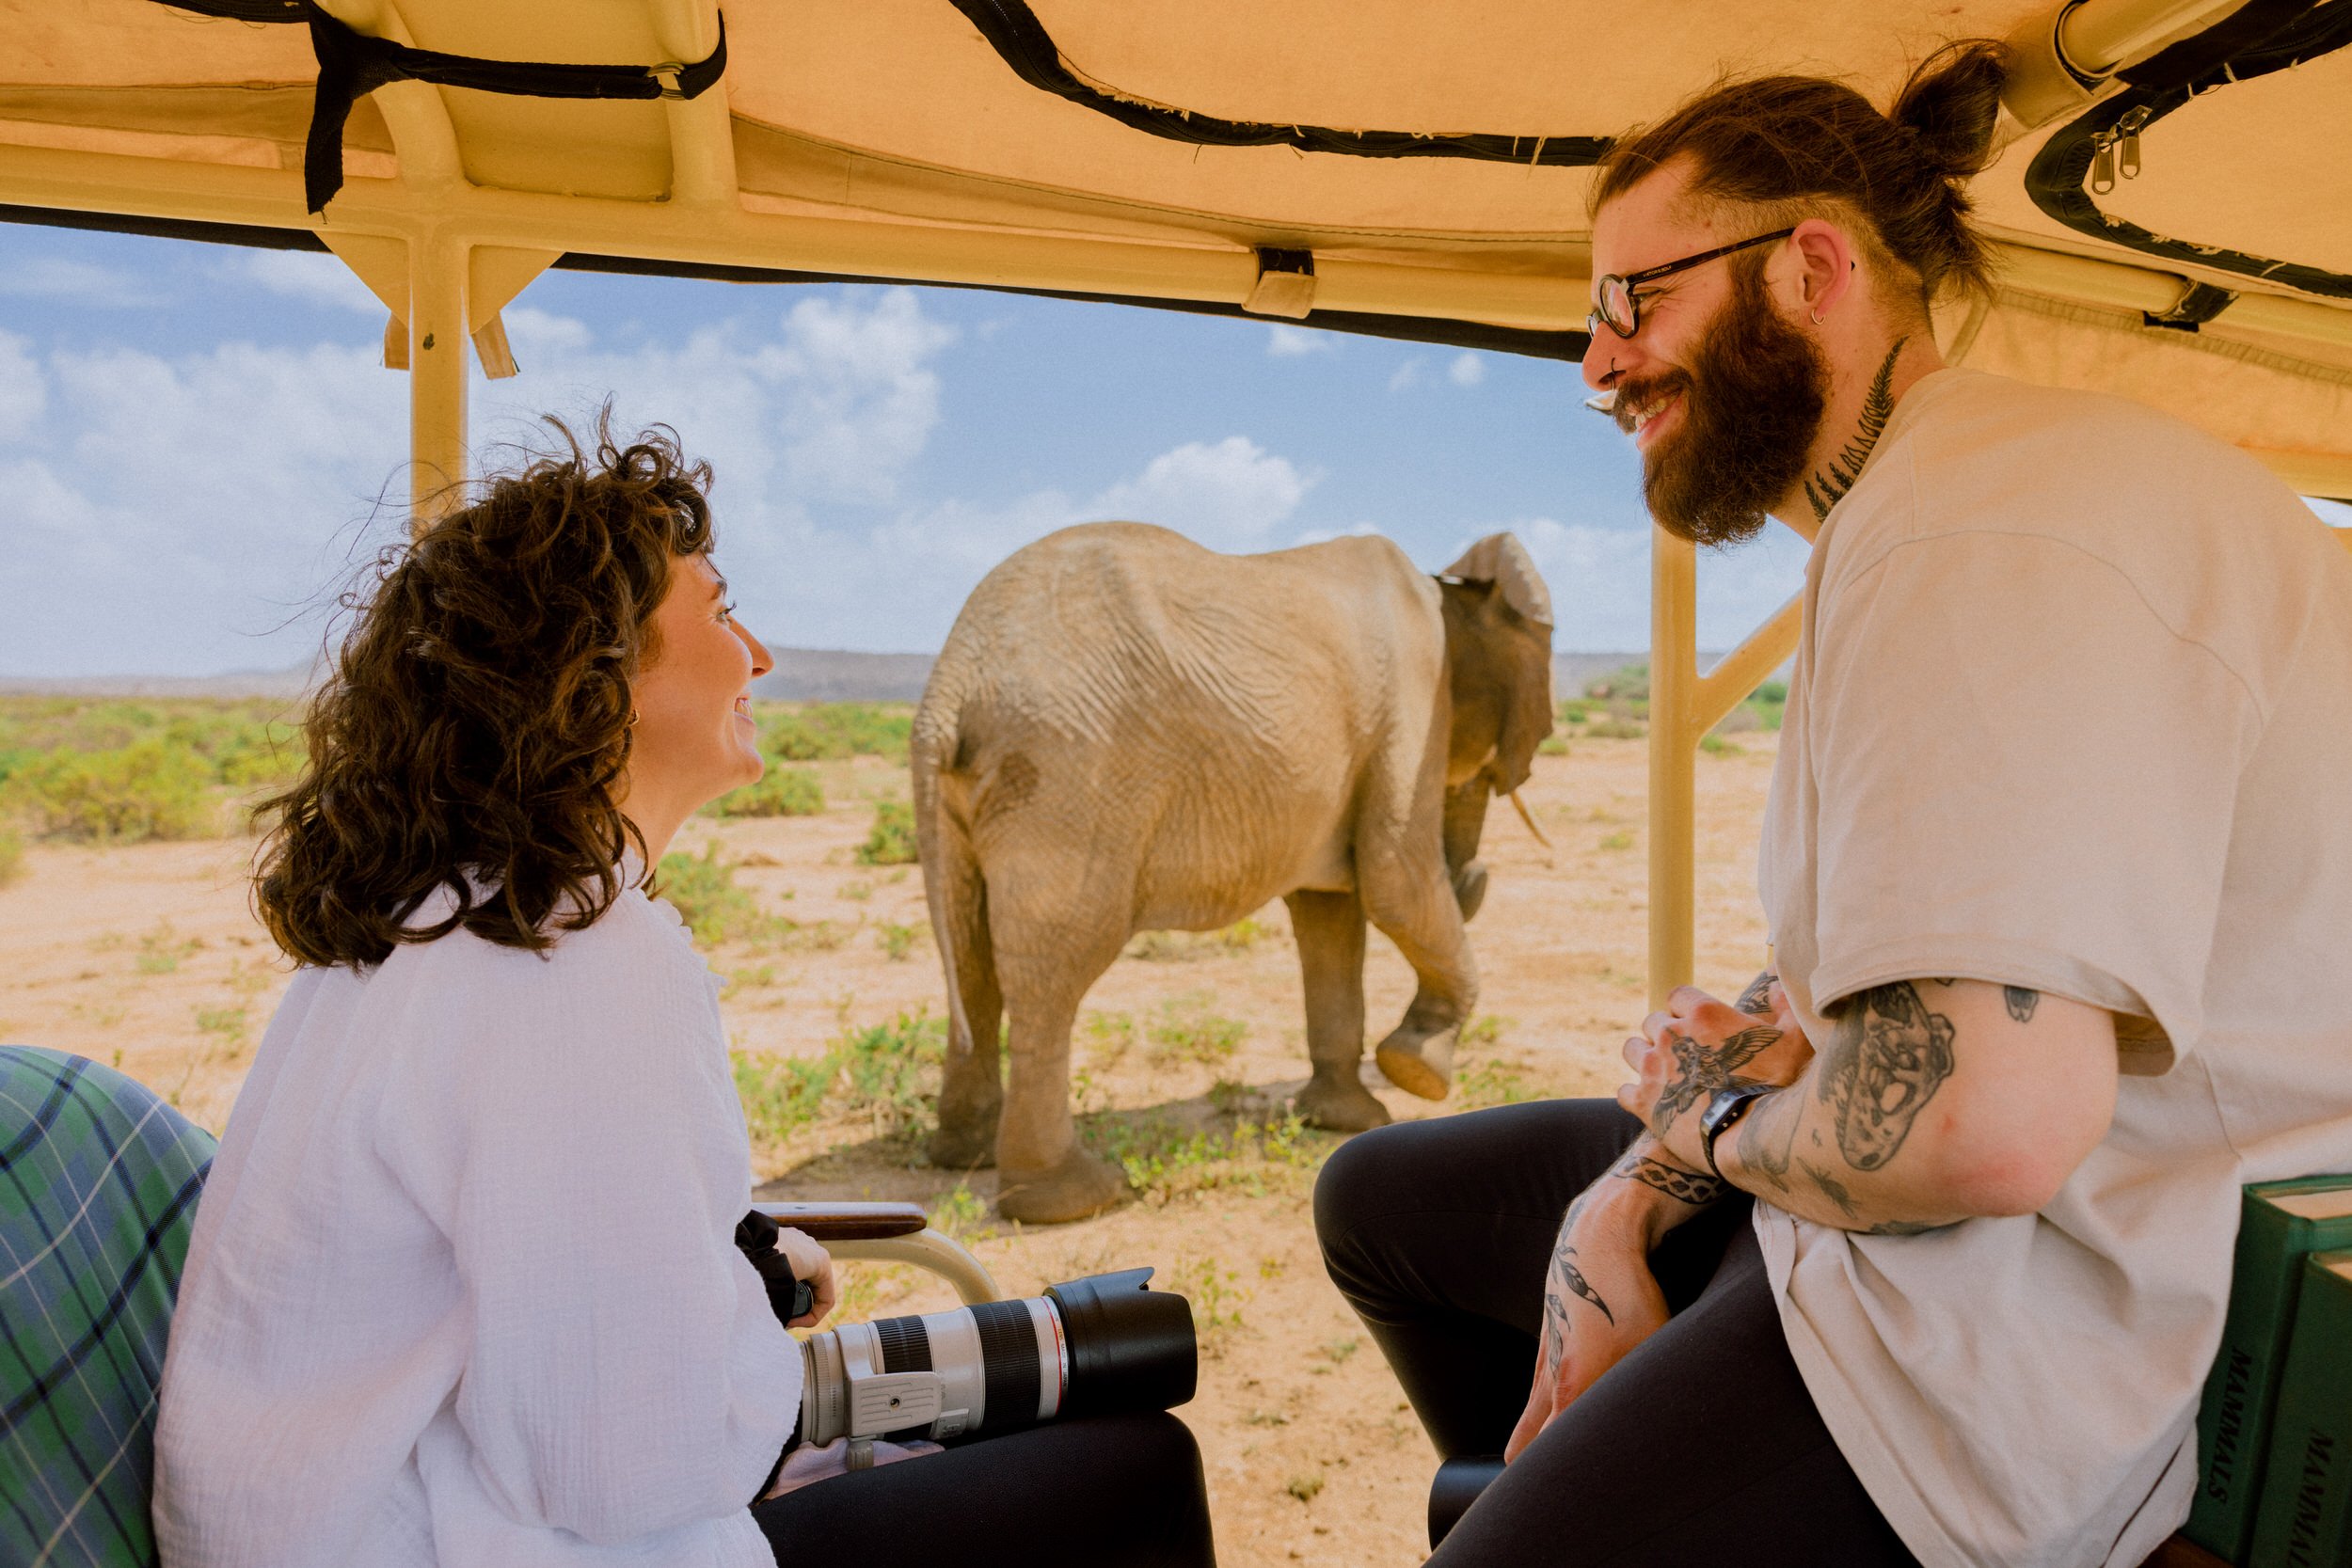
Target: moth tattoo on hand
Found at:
1756, 1001
1701, 1069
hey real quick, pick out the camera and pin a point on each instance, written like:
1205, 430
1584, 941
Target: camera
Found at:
1105, 1345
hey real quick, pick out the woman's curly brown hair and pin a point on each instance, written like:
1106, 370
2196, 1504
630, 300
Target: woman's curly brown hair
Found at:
476, 718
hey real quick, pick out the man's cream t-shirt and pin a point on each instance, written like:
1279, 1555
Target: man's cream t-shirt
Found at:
2073, 710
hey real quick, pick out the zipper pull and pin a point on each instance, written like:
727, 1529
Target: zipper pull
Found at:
2130, 126
2102, 162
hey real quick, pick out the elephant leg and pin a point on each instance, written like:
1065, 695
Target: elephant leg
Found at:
1330, 931
1419, 913
970, 1087
1044, 1175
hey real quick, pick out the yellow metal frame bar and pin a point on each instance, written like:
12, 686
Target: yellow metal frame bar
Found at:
1684, 705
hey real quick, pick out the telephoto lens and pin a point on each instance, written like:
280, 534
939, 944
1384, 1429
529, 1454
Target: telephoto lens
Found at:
1101, 1345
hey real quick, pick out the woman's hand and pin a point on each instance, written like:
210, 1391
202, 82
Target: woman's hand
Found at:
812, 1265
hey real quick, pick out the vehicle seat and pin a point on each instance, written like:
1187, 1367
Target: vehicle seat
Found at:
99, 1180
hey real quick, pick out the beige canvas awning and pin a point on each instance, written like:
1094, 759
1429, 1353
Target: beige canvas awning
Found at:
2180, 232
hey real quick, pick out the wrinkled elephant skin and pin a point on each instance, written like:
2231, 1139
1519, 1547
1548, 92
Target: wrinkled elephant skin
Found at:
1126, 731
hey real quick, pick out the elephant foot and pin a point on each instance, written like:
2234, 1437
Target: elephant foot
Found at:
1420, 1065
1341, 1104
966, 1146
1078, 1186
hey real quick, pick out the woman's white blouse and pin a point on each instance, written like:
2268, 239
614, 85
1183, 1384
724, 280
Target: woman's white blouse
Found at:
463, 1289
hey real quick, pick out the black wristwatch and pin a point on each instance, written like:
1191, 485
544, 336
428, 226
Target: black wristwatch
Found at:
1723, 1107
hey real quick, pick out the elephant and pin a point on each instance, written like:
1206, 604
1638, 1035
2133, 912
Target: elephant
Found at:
1129, 731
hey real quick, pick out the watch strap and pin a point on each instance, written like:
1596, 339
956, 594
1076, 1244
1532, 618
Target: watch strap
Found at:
1725, 1107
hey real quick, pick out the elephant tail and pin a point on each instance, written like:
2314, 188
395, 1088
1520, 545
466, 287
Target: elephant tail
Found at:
953, 885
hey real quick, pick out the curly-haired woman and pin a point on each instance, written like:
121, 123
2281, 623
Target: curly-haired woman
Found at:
463, 1289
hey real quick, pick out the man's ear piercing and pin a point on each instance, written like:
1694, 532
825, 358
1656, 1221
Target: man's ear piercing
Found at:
1816, 315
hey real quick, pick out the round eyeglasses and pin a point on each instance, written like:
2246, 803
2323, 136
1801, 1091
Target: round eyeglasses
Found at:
1618, 305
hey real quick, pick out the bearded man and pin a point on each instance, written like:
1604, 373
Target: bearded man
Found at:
1919, 1251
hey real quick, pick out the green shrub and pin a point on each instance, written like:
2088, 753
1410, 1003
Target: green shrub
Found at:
780, 792
820, 732
12, 854
897, 939
1187, 1031
1629, 683
1616, 729
148, 789
780, 1094
892, 840
1772, 693
891, 1070
702, 889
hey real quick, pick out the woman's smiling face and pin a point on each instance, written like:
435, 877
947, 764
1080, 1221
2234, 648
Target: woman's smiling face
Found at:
693, 738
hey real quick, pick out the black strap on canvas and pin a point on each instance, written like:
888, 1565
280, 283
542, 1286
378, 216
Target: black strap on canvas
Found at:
1020, 40
352, 65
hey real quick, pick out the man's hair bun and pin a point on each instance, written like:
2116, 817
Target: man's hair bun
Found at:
1950, 103
1786, 145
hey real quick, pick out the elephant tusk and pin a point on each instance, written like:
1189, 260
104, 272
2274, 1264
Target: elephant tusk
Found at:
1529, 817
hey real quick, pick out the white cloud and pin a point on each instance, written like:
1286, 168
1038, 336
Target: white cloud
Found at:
24, 389
1229, 496
1291, 342
1468, 369
529, 328
1406, 375
860, 399
311, 277
81, 282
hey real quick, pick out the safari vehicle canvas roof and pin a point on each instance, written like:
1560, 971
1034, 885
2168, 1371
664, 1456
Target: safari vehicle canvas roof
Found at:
2172, 204
1360, 163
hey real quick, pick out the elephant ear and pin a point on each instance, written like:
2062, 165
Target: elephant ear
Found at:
1500, 558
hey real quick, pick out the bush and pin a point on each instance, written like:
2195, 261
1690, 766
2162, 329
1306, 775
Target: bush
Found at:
890, 1071
12, 854
148, 789
1187, 1031
819, 732
702, 889
1629, 683
780, 792
892, 840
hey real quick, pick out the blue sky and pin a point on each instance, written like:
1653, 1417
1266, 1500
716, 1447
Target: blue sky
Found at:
194, 440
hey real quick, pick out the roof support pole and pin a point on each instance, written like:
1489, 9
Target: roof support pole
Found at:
438, 268
1673, 747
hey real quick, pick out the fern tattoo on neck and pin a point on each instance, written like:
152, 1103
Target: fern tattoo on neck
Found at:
1827, 488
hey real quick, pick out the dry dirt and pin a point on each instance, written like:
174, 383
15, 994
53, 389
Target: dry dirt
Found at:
147, 958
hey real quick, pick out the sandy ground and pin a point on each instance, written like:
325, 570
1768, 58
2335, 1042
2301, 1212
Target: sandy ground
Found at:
148, 958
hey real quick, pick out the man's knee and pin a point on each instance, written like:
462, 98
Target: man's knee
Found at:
1361, 1178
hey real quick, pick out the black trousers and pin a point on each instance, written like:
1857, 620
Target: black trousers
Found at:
1702, 1447
1107, 1492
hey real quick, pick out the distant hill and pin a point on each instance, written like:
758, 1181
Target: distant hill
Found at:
828, 675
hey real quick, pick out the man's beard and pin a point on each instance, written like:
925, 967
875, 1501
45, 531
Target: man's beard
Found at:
1752, 404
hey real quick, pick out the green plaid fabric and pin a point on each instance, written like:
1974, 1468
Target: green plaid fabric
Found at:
98, 1186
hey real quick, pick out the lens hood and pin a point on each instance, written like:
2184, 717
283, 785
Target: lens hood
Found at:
1131, 1347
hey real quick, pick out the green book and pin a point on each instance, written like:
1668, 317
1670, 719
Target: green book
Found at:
2283, 1223
2305, 1517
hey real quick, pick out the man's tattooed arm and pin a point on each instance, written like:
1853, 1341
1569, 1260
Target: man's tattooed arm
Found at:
1695, 1188
1887, 1056
1756, 1001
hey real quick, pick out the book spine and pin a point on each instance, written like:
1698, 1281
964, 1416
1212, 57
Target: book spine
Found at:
2234, 1416
2304, 1519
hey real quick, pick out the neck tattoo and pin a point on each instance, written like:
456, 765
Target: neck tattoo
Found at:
1827, 488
